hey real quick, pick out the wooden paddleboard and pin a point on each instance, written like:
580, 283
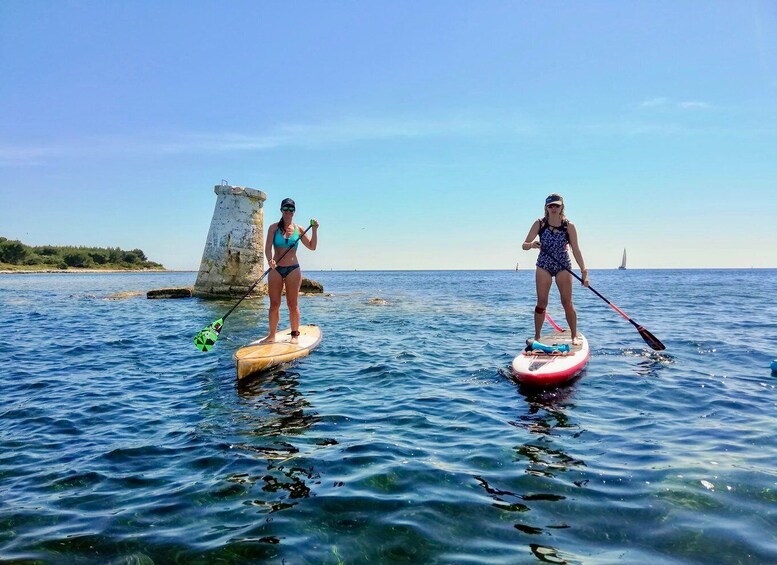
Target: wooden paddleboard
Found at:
542, 369
256, 357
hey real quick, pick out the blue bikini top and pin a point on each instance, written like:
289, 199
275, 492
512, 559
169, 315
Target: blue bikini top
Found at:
280, 241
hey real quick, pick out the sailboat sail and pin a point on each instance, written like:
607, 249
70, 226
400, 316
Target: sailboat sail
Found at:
623, 262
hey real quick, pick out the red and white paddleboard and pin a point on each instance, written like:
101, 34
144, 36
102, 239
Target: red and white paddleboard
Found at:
537, 368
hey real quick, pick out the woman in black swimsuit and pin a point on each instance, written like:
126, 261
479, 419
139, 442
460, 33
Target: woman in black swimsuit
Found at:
556, 233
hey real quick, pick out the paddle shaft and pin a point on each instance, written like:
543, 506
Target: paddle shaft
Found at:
649, 338
596, 292
592, 289
253, 286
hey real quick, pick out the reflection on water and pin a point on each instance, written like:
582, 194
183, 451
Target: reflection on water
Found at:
274, 403
546, 419
546, 554
273, 411
538, 398
653, 363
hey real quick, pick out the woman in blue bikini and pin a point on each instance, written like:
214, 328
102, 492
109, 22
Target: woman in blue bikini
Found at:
283, 237
555, 233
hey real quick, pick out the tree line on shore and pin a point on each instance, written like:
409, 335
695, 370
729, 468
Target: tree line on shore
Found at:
17, 254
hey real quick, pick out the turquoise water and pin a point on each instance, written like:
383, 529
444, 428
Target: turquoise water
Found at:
401, 439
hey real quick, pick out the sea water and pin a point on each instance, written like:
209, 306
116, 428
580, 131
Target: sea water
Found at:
402, 438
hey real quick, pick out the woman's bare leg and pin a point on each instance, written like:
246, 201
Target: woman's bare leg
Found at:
564, 284
293, 282
274, 289
543, 280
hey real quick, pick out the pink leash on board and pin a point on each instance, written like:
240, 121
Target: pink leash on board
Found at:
552, 323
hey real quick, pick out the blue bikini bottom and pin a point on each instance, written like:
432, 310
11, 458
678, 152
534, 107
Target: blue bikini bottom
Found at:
284, 271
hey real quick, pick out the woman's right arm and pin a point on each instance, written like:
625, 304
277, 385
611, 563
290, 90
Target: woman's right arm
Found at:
268, 245
529, 243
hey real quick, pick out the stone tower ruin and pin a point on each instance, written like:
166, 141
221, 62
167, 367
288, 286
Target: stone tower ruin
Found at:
233, 258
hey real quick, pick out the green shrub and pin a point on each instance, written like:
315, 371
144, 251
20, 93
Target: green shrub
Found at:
115, 255
99, 257
140, 254
13, 252
131, 258
47, 251
78, 259
33, 259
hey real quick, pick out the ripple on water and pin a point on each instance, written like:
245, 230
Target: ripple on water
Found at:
401, 439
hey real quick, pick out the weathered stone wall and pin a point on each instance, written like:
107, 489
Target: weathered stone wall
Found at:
233, 258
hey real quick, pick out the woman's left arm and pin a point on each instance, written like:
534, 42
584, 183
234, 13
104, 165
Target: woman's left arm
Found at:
312, 241
572, 231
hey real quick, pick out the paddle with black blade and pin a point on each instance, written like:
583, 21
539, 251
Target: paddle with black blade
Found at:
649, 338
206, 339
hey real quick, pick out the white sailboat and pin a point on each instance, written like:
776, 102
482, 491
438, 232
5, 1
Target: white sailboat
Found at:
623, 261
516, 266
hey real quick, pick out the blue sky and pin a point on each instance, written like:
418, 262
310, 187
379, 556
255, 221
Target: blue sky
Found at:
420, 134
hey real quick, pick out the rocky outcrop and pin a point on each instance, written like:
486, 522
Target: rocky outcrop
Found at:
185, 292
124, 295
311, 286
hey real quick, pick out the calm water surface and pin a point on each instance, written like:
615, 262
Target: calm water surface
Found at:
401, 439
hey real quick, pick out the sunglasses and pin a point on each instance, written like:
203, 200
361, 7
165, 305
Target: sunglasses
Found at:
287, 209
554, 205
